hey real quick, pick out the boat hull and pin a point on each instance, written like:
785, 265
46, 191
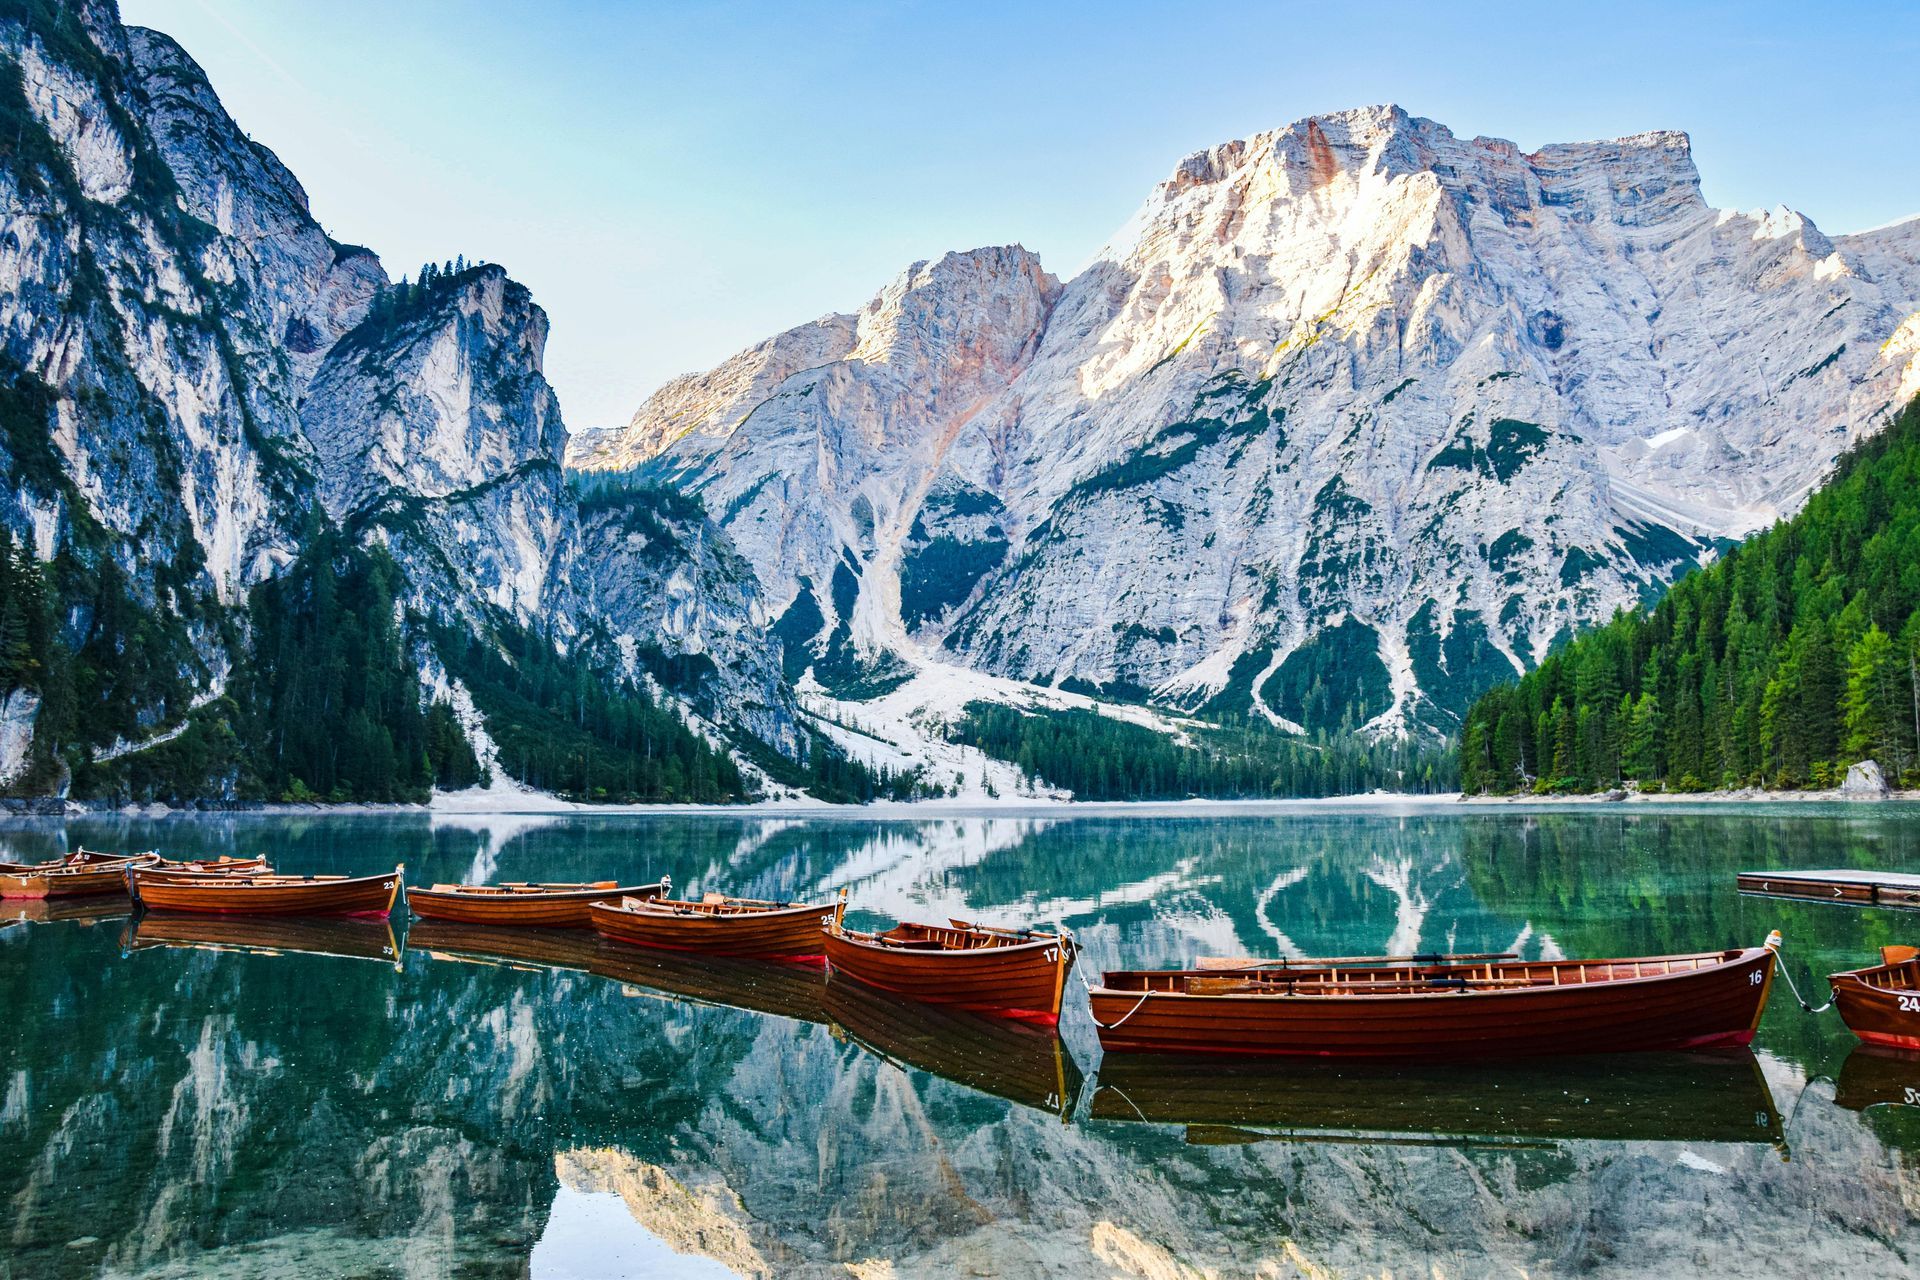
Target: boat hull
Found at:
1024, 981
239, 895
788, 933
1878, 1014
1717, 1007
558, 910
89, 880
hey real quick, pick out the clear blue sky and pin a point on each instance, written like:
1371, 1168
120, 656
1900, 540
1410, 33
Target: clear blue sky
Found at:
676, 181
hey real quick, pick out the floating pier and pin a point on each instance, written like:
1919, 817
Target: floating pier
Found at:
1855, 888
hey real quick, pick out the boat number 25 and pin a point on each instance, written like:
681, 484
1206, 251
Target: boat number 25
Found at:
1910, 1004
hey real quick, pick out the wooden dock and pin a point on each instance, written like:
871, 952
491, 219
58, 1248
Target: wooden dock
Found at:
1854, 888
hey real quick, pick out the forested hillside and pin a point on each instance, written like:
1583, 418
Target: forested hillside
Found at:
1101, 757
1792, 657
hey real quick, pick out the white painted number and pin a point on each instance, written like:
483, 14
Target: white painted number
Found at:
1753, 979
1910, 1004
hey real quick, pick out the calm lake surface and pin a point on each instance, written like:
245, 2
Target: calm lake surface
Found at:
342, 1102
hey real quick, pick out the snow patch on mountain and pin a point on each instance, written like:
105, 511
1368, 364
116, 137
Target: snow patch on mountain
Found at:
1349, 420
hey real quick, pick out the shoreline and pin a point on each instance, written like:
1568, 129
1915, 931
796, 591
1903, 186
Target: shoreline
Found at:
455, 807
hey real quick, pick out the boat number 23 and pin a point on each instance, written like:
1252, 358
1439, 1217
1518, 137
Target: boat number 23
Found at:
1910, 1004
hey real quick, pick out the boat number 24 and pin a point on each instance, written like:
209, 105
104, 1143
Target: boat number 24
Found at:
1910, 1004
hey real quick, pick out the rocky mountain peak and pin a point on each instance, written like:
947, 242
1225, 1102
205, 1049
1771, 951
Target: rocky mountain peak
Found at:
1354, 402
985, 305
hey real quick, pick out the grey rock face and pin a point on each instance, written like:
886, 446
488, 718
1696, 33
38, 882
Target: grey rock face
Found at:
1355, 394
1864, 781
195, 372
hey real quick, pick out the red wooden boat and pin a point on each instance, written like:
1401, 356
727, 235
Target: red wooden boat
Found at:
1010, 972
549, 906
268, 894
718, 925
1399, 1007
1881, 1003
75, 880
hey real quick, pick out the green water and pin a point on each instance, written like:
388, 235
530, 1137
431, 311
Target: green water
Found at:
329, 1104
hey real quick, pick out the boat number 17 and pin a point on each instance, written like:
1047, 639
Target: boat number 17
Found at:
1910, 1004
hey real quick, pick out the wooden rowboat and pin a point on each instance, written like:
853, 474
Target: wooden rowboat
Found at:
718, 925
1007, 972
1881, 1003
167, 871
74, 881
224, 865
1393, 1007
268, 894
82, 857
548, 906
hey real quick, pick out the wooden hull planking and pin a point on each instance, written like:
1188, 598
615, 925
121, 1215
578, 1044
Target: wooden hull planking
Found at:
1715, 1005
270, 895
1024, 980
81, 881
524, 906
791, 933
1881, 1004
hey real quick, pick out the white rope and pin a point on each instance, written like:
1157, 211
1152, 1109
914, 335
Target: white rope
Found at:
1109, 1026
1788, 975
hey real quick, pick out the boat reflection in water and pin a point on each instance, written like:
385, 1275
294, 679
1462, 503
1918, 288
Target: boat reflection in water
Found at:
510, 945
760, 986
83, 910
1007, 1058
351, 938
1874, 1074
1656, 1097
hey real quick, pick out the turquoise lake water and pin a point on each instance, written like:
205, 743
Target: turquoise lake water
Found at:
190, 1099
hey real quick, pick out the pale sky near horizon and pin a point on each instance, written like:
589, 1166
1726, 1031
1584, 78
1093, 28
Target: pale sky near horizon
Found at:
678, 181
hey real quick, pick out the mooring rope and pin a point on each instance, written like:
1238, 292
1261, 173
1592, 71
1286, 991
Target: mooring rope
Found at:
1791, 986
1108, 1026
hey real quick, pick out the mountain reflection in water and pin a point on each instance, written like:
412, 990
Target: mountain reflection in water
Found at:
247, 1097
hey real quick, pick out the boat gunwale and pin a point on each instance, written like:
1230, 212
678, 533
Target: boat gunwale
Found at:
1729, 958
871, 942
679, 909
530, 892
